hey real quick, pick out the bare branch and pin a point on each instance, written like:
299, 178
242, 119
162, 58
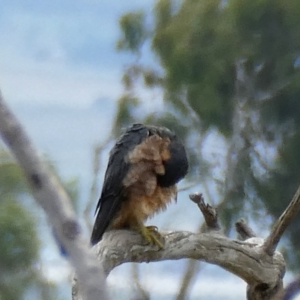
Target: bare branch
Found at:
54, 200
209, 213
282, 223
244, 230
244, 259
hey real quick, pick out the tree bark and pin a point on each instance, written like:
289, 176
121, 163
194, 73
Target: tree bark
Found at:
246, 259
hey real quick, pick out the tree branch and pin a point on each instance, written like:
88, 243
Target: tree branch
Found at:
244, 259
210, 213
54, 200
282, 223
244, 230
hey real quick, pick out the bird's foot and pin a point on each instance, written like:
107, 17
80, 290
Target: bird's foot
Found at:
152, 236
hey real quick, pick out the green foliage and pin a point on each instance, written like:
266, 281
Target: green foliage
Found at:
19, 249
18, 237
11, 178
196, 48
19, 243
199, 46
133, 31
151, 78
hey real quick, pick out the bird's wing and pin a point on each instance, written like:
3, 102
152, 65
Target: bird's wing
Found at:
113, 191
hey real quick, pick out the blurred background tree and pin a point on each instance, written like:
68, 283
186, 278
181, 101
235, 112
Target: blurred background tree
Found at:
21, 275
229, 75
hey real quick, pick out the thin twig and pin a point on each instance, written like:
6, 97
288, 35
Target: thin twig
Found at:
282, 223
187, 187
192, 268
140, 293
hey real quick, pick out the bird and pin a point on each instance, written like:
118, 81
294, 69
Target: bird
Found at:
143, 169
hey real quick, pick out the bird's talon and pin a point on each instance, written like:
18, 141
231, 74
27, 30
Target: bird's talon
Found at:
152, 236
152, 228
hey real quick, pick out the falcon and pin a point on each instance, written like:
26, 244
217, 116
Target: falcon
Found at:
143, 169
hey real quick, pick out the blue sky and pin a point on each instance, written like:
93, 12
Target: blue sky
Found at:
56, 59
61, 51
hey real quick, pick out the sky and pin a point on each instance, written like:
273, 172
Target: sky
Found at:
61, 52
57, 59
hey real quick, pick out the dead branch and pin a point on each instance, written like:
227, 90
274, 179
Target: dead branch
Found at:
244, 259
282, 223
210, 214
244, 230
54, 200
